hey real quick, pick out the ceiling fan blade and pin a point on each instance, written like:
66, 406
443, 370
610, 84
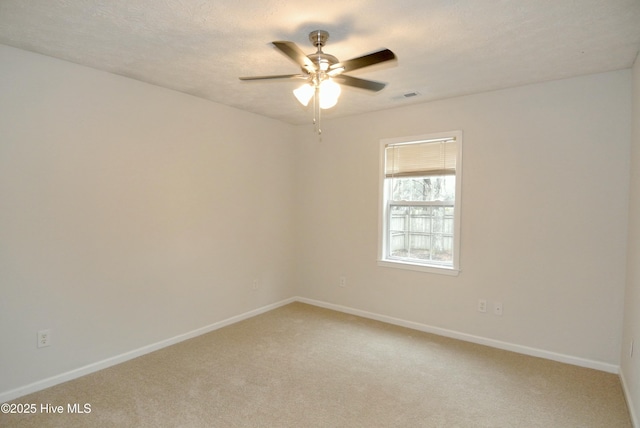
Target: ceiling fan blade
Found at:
363, 61
279, 76
291, 50
370, 85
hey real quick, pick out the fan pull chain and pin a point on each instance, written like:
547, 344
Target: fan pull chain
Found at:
319, 119
317, 112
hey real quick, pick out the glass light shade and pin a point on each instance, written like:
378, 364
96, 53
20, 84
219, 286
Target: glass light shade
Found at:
329, 93
304, 93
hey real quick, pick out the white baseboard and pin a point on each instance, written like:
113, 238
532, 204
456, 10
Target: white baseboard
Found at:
627, 396
520, 349
94, 367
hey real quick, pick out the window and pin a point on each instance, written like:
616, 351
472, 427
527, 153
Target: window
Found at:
420, 184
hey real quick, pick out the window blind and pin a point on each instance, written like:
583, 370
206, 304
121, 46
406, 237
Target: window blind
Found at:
421, 158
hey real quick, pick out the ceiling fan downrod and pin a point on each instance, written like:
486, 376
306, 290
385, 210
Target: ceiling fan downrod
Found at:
322, 61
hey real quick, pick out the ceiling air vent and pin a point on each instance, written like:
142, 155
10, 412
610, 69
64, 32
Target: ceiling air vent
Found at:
406, 95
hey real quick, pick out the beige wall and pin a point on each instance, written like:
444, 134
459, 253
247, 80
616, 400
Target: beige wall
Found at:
129, 214
630, 365
544, 213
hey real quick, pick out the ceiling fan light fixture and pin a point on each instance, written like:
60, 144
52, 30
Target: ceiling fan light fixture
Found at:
304, 94
329, 91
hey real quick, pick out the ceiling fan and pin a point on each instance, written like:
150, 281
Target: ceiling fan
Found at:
321, 71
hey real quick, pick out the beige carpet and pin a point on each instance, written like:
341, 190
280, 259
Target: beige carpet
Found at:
303, 366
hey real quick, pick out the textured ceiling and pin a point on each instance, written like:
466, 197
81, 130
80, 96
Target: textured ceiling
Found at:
445, 48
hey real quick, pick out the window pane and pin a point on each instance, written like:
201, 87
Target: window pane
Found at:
432, 188
421, 233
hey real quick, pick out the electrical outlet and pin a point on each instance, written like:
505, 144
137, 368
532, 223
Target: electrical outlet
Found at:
497, 308
255, 285
44, 338
343, 281
482, 305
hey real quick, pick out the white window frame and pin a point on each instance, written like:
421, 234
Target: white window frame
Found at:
383, 206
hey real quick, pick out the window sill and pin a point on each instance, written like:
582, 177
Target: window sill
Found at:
417, 267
